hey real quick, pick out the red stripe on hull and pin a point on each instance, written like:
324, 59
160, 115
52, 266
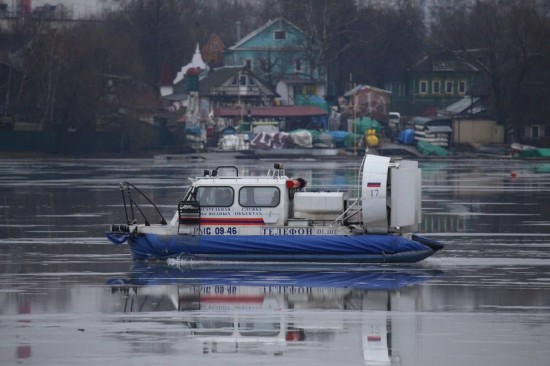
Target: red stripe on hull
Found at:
237, 222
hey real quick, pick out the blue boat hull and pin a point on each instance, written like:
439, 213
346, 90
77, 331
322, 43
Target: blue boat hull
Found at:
287, 248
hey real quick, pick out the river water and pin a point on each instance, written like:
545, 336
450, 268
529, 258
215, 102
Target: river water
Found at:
67, 296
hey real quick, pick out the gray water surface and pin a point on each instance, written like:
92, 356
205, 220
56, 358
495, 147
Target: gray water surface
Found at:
67, 296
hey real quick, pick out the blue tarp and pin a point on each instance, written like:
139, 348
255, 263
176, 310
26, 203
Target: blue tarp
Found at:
406, 137
275, 245
194, 130
339, 137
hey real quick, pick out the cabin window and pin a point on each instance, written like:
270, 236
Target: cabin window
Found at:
259, 196
215, 196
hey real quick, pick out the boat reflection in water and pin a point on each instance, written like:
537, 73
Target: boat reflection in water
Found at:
236, 309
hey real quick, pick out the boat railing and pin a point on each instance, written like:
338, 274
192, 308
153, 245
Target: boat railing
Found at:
278, 171
352, 210
126, 191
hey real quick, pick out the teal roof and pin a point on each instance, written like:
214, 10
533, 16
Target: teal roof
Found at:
262, 37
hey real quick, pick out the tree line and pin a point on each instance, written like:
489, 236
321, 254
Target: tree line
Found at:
70, 75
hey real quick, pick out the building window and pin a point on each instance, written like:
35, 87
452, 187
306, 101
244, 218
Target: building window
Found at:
248, 64
462, 87
448, 87
423, 87
309, 89
297, 65
534, 132
279, 35
395, 88
436, 87
214, 46
243, 80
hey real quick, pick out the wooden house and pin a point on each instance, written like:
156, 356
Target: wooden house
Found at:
212, 51
280, 53
432, 83
234, 85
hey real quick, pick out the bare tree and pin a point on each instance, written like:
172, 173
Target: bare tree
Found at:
506, 41
329, 25
389, 39
164, 29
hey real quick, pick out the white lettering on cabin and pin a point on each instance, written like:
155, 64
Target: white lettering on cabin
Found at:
228, 211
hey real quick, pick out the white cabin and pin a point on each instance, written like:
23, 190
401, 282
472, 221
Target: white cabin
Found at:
275, 204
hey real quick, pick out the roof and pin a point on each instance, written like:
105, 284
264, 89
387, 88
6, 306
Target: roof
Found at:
214, 38
438, 129
360, 88
217, 77
431, 121
449, 62
176, 97
469, 104
254, 33
280, 111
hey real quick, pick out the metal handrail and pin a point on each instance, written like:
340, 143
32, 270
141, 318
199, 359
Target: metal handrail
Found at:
132, 203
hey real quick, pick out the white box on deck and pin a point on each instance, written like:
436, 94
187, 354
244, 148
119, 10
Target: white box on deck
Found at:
319, 205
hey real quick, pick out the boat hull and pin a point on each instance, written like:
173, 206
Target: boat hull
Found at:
287, 248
